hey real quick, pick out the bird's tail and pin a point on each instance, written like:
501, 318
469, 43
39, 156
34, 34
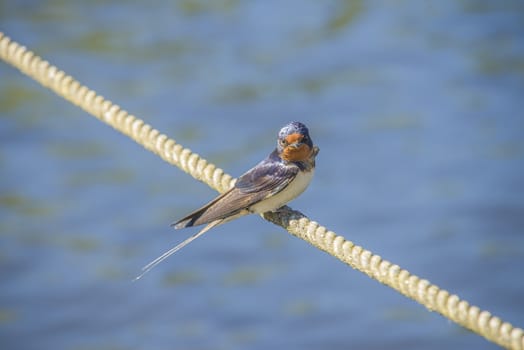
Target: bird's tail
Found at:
173, 250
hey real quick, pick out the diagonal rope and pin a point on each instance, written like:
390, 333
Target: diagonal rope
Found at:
296, 223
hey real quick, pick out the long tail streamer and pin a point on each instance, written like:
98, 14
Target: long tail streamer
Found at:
176, 248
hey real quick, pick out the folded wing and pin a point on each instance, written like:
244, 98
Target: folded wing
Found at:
262, 181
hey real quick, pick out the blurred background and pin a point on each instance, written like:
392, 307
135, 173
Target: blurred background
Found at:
417, 110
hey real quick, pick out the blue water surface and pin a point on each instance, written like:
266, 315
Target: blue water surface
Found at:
417, 107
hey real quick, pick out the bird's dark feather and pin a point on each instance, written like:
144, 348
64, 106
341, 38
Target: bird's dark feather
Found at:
267, 178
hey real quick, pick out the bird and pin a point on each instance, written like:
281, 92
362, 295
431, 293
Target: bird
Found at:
282, 176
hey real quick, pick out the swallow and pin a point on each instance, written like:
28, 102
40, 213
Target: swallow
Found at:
282, 176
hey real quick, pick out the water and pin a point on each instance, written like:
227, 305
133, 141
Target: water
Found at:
416, 107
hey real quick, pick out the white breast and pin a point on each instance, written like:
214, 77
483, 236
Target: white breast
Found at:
293, 190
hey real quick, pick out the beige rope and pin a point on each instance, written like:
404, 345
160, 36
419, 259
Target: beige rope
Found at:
421, 290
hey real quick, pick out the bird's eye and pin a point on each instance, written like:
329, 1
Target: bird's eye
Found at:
283, 142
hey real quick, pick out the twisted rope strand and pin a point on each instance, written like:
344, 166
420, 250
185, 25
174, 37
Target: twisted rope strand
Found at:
421, 290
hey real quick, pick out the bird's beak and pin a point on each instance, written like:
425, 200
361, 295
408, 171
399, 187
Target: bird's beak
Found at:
295, 145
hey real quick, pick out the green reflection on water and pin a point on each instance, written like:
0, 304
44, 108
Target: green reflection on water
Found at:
501, 248
98, 42
114, 176
11, 201
7, 316
195, 7
240, 93
490, 64
400, 313
346, 13
506, 150
82, 244
75, 150
52, 11
182, 278
25, 206
301, 307
15, 95
112, 273
246, 275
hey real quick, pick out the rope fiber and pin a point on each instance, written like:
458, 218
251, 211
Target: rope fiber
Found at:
296, 223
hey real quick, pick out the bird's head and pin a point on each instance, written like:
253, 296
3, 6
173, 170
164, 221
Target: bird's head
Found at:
294, 143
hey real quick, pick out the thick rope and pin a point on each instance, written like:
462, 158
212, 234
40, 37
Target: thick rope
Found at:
421, 290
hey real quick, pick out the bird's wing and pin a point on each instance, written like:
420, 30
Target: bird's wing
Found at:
262, 181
